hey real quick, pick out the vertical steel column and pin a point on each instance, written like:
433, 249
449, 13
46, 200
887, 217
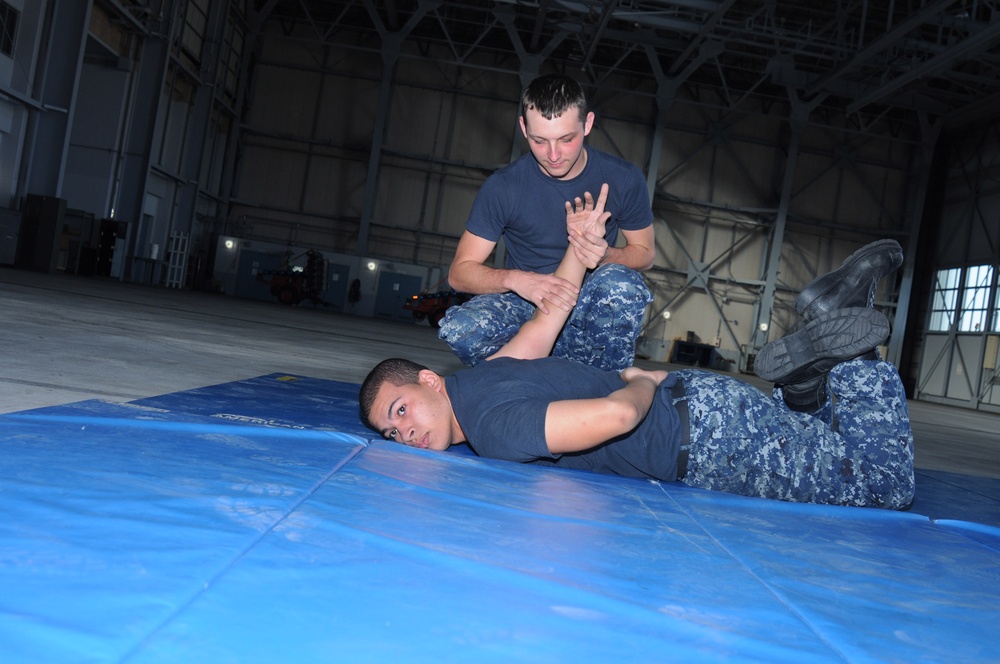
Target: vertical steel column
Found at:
187, 195
143, 118
391, 47
666, 93
390, 56
256, 17
44, 165
797, 123
919, 177
664, 99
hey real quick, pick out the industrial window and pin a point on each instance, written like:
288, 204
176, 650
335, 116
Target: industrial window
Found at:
973, 285
945, 299
8, 28
976, 298
195, 26
996, 311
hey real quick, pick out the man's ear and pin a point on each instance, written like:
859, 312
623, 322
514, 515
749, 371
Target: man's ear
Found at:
430, 379
589, 124
524, 127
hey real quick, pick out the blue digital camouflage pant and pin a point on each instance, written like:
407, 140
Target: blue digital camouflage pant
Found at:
855, 450
601, 331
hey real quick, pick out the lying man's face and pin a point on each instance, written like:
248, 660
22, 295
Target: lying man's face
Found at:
418, 415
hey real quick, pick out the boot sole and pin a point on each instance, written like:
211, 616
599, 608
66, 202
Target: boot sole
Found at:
827, 340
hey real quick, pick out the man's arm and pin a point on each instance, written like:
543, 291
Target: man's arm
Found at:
575, 425
638, 252
585, 222
470, 274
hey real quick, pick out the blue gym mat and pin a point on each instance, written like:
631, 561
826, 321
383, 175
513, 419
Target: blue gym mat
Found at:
258, 521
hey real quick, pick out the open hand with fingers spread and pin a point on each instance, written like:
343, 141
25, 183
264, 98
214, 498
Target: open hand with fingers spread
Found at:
585, 220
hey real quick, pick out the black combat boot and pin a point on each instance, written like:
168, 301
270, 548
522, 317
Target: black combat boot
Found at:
853, 283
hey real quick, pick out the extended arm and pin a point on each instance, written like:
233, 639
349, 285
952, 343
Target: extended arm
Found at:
585, 221
470, 274
574, 425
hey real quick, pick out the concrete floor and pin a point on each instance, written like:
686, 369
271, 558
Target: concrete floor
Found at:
72, 338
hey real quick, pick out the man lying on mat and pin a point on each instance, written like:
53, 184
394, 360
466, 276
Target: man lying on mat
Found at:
836, 429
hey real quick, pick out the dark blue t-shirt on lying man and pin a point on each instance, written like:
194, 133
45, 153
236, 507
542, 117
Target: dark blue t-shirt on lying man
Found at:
501, 407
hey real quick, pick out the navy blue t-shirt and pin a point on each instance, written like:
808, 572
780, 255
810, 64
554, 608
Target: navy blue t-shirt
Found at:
528, 207
501, 406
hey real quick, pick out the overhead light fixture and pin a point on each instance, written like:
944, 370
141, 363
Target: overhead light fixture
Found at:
372, 265
230, 244
762, 327
666, 315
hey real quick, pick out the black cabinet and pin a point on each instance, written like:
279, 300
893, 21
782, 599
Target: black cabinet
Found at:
42, 219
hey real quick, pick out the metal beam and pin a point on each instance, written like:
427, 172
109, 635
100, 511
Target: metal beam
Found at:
609, 8
984, 40
797, 122
702, 36
919, 182
58, 82
887, 40
391, 46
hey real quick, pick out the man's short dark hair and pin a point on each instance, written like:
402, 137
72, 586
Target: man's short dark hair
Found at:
551, 95
395, 371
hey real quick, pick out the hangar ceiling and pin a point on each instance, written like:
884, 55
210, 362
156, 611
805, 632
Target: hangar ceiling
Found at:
870, 60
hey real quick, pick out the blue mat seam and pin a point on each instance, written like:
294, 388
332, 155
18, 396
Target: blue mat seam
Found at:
778, 596
214, 578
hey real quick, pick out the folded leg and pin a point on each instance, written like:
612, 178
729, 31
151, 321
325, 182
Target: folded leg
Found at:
604, 326
746, 442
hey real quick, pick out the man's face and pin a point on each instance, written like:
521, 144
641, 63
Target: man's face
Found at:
557, 144
416, 415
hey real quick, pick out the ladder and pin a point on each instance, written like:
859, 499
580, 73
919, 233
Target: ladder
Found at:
177, 262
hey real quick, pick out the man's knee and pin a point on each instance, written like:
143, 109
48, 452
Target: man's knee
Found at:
604, 325
617, 283
477, 329
613, 298
463, 328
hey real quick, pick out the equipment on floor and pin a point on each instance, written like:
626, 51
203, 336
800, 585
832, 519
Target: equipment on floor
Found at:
433, 305
292, 284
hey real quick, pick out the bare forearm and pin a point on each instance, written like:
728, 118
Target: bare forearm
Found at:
537, 336
478, 279
576, 425
634, 256
635, 399
571, 269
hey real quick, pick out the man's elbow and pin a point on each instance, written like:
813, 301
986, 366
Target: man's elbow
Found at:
643, 260
457, 278
627, 416
642, 246
639, 257
454, 281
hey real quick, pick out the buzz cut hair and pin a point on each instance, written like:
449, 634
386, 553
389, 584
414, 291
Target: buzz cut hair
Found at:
551, 95
395, 371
